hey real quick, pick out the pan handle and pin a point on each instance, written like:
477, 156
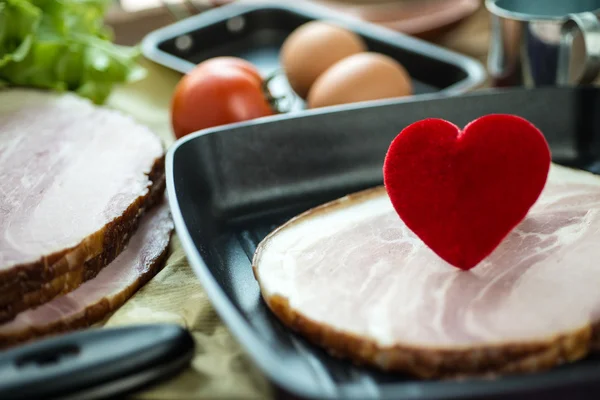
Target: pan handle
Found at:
94, 363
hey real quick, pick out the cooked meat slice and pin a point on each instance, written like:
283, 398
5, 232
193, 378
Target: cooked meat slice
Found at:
76, 178
354, 279
95, 299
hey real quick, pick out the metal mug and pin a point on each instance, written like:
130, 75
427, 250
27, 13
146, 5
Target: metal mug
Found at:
544, 42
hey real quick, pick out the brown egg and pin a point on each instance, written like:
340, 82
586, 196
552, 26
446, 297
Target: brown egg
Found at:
312, 48
360, 77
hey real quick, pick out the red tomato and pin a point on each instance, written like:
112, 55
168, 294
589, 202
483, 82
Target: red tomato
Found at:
218, 91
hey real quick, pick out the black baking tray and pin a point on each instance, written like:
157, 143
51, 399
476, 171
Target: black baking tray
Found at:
255, 31
228, 187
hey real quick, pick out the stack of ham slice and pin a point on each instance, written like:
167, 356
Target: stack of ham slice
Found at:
77, 182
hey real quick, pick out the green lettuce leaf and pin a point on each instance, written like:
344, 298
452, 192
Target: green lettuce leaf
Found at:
63, 45
19, 21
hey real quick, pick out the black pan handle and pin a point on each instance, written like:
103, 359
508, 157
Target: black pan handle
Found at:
94, 363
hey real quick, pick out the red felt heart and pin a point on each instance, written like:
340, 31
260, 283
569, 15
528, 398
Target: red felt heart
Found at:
462, 192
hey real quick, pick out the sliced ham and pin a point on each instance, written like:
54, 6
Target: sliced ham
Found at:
95, 299
352, 278
76, 178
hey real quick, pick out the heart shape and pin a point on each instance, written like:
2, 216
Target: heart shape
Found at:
462, 192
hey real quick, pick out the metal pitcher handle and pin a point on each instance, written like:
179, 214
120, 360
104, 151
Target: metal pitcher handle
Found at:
496, 55
588, 24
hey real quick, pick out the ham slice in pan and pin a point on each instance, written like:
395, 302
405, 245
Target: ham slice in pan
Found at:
352, 278
95, 299
76, 178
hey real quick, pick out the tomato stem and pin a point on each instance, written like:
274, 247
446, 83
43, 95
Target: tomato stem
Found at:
276, 101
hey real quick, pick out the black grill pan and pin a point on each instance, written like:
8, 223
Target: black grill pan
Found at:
228, 187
